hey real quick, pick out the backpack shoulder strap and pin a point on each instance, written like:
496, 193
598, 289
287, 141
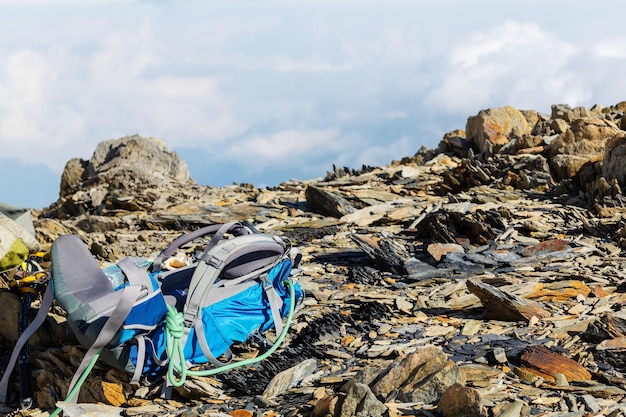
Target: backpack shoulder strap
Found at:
135, 274
23, 339
270, 249
128, 296
217, 229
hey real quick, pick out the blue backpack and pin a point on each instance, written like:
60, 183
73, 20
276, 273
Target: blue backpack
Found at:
151, 321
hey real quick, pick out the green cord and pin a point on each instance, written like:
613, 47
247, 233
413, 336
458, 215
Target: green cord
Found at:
79, 383
174, 331
180, 367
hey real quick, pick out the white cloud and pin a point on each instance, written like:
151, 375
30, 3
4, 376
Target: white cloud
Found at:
293, 153
396, 114
611, 49
512, 39
31, 127
281, 63
286, 64
188, 123
63, 98
180, 88
514, 63
288, 147
21, 97
385, 47
383, 153
123, 57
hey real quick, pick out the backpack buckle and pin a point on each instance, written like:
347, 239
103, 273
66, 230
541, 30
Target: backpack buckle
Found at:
213, 261
189, 317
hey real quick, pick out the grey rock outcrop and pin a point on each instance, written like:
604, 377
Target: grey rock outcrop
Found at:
137, 160
122, 174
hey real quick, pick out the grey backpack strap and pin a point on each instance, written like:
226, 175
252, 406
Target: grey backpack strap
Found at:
142, 353
141, 358
128, 296
238, 230
204, 346
219, 235
135, 274
202, 279
23, 339
180, 241
275, 303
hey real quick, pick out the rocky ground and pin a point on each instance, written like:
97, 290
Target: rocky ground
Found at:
481, 278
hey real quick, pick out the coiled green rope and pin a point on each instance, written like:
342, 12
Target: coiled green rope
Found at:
174, 345
174, 331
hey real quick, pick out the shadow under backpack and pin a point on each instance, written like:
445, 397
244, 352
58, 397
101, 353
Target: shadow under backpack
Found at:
152, 322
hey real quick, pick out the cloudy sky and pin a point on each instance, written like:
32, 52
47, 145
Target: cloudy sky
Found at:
264, 91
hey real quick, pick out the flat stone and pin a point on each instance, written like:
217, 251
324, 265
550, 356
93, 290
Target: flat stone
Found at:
440, 250
504, 306
89, 410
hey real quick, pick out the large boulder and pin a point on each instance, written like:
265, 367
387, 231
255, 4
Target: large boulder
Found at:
582, 143
421, 376
130, 174
494, 127
613, 166
137, 159
73, 174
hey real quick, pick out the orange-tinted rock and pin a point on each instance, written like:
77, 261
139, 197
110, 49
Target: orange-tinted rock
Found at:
493, 127
439, 250
241, 413
546, 362
113, 393
559, 290
584, 142
547, 246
